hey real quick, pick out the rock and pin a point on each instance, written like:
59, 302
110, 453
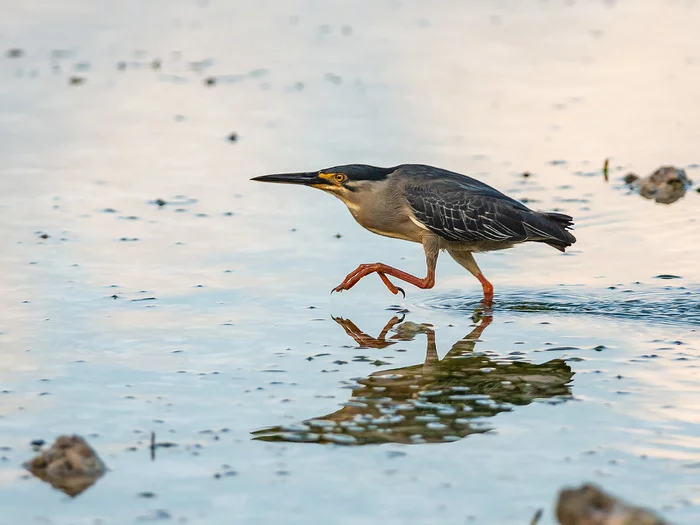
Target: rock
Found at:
69, 465
589, 505
666, 185
630, 178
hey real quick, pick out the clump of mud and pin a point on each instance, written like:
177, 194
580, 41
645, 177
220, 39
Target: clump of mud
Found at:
589, 505
69, 465
666, 185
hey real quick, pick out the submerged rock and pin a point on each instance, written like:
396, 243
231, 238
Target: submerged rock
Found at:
69, 465
588, 505
666, 185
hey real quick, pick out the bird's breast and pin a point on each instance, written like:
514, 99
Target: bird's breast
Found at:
396, 225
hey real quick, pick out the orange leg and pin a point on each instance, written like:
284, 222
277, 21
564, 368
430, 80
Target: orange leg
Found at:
392, 287
486, 285
466, 259
383, 270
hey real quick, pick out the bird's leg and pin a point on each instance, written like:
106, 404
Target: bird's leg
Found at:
392, 287
486, 285
383, 270
431, 253
466, 259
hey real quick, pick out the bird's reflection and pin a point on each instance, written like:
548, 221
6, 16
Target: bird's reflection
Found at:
436, 401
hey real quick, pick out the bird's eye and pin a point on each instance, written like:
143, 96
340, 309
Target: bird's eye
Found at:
339, 177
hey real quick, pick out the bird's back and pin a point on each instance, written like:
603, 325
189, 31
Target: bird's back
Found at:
464, 210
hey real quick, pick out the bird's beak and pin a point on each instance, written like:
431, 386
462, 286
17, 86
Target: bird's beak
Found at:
310, 178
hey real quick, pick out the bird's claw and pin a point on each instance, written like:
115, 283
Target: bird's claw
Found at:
399, 289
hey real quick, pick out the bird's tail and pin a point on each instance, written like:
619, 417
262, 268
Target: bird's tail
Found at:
559, 226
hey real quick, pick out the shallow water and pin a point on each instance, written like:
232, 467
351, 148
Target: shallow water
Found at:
208, 320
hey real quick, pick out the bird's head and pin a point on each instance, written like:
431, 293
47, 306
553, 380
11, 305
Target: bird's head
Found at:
348, 182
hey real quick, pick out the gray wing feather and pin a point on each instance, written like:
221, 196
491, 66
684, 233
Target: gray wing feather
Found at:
474, 213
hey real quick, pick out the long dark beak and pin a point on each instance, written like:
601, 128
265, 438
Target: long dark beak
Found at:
306, 179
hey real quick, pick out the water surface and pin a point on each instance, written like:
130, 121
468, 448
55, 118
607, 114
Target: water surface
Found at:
208, 319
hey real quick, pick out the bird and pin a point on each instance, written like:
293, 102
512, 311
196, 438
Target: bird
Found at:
440, 209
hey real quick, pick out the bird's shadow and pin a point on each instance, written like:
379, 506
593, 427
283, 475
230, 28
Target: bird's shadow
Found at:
435, 401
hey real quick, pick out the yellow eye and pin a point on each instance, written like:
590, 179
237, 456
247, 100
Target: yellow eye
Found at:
339, 177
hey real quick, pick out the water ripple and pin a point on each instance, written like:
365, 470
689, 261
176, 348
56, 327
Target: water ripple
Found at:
667, 305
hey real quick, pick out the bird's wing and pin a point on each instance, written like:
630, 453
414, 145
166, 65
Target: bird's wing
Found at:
463, 212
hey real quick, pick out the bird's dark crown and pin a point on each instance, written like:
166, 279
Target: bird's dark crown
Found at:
357, 172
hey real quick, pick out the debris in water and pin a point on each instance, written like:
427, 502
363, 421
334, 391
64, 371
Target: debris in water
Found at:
233, 137
77, 81
630, 178
589, 505
70, 465
666, 185
605, 169
15, 52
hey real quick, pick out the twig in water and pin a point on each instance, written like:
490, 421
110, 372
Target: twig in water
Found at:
605, 170
536, 517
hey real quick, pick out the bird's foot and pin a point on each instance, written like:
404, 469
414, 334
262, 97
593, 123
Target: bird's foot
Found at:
364, 270
391, 286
